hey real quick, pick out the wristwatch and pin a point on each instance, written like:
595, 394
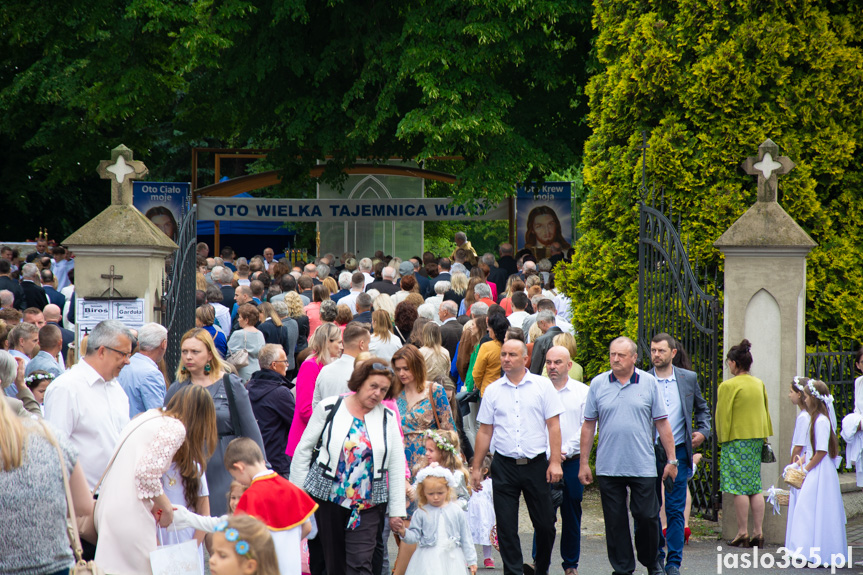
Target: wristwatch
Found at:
674, 462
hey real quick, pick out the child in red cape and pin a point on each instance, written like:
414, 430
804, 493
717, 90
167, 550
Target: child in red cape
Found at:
282, 506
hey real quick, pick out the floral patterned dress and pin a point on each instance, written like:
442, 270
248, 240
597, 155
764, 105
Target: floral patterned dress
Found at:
352, 488
417, 419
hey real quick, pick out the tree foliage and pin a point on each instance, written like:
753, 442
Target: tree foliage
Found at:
709, 81
499, 84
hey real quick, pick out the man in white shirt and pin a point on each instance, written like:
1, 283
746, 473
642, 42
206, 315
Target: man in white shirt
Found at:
365, 268
87, 404
358, 284
269, 260
333, 378
519, 303
573, 395
519, 420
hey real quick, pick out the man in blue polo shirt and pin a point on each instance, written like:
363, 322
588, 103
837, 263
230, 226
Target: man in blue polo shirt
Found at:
628, 406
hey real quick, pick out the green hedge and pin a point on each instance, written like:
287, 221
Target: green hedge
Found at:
709, 81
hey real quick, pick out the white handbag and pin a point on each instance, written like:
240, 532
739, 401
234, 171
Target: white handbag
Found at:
177, 559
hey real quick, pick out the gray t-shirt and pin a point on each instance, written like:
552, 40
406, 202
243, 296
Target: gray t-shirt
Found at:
33, 500
626, 415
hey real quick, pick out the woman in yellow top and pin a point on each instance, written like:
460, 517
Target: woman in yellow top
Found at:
742, 425
486, 369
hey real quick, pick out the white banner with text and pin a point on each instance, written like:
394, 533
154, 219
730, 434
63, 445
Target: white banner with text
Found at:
336, 210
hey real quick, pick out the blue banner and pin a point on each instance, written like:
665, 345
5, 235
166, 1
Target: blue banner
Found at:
164, 203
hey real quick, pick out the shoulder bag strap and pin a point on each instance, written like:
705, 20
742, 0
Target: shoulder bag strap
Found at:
71, 520
113, 457
232, 407
328, 423
433, 406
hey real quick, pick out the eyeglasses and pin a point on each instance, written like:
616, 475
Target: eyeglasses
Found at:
123, 353
381, 367
285, 361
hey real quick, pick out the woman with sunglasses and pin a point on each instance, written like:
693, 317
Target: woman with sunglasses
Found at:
350, 461
273, 404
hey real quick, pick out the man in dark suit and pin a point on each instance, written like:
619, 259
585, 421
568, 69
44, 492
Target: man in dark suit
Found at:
443, 267
386, 284
556, 254
415, 269
496, 275
506, 262
545, 321
450, 329
223, 278
34, 294
54, 296
684, 400
364, 308
52, 315
7, 283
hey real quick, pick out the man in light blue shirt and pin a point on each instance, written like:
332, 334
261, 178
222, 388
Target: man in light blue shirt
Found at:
142, 380
630, 409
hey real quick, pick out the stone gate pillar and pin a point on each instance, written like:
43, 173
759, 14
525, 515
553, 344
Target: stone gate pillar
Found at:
120, 253
765, 298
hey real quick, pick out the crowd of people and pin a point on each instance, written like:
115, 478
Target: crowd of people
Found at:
344, 402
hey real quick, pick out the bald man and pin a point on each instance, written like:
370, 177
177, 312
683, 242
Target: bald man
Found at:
53, 316
572, 394
519, 418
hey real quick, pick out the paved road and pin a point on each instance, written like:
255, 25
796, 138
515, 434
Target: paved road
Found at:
700, 556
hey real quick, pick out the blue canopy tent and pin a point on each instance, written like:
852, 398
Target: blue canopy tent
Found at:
247, 238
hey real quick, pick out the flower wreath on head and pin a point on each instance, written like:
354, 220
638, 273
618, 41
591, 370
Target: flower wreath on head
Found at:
826, 399
435, 470
233, 536
797, 385
441, 441
34, 377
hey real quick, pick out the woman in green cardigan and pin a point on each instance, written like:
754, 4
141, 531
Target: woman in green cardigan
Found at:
742, 425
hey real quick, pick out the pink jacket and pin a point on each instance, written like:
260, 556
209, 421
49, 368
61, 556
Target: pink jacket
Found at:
305, 390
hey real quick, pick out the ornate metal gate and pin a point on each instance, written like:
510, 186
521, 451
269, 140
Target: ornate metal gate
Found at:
178, 301
670, 300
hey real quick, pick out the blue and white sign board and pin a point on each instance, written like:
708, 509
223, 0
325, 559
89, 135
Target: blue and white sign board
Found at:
164, 203
338, 210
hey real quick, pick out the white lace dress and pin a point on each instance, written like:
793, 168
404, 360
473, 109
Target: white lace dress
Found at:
127, 529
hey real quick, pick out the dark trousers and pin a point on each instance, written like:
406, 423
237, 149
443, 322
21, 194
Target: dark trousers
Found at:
339, 543
511, 480
378, 556
317, 566
569, 503
675, 505
644, 507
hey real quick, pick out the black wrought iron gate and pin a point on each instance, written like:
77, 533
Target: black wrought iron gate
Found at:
178, 300
670, 300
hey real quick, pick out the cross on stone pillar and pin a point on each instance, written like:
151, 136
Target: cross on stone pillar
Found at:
767, 165
121, 169
111, 276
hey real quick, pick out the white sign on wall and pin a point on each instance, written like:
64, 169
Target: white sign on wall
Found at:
91, 311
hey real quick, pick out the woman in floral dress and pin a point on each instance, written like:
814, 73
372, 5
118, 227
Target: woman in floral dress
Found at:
423, 405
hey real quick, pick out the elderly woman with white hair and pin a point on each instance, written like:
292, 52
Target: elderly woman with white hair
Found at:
440, 288
12, 371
